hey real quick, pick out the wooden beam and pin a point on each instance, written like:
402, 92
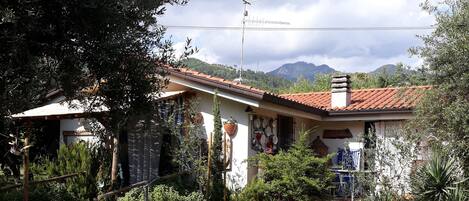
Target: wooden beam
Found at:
43, 181
26, 163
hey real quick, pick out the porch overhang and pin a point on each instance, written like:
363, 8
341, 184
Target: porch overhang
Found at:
73, 109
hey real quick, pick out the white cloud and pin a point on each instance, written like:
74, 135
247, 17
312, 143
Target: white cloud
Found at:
344, 50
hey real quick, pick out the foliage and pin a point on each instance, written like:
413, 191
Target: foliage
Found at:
161, 193
458, 193
388, 158
400, 76
295, 174
438, 180
190, 153
43, 193
216, 161
109, 53
403, 76
302, 85
443, 113
256, 79
77, 158
322, 82
135, 194
165, 193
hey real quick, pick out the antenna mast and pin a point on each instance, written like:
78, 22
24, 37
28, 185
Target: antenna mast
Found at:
245, 14
257, 21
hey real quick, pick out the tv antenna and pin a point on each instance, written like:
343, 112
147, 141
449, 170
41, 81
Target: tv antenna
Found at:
245, 14
256, 21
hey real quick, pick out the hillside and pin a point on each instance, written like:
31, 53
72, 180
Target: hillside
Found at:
293, 71
384, 76
256, 79
388, 69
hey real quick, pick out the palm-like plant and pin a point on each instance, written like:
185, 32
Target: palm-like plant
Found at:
458, 194
438, 180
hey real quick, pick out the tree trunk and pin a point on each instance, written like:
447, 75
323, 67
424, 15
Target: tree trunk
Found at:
115, 158
26, 163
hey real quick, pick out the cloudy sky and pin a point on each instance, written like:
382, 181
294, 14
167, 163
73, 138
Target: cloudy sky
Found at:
349, 51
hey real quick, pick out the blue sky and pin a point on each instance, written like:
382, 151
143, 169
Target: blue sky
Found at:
349, 51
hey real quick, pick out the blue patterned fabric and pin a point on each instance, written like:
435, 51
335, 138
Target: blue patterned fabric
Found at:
340, 156
349, 159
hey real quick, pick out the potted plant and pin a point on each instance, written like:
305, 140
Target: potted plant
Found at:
231, 127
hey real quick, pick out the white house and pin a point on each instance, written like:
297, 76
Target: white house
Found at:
266, 121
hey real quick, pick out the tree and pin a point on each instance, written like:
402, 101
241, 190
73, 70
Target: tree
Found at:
302, 85
216, 161
295, 174
443, 112
104, 53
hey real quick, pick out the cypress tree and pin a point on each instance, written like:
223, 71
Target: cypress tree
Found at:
216, 164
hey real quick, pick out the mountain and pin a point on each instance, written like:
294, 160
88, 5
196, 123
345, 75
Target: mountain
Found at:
256, 79
388, 69
292, 71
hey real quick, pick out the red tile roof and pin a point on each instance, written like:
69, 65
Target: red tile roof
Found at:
229, 83
242, 89
378, 99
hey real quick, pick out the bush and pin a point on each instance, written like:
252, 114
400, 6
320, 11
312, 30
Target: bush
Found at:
135, 194
439, 180
161, 193
165, 193
75, 158
293, 175
43, 193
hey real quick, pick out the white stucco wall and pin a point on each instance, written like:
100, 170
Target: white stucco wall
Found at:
356, 128
238, 175
76, 125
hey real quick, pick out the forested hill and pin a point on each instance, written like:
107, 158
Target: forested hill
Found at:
293, 71
384, 76
256, 79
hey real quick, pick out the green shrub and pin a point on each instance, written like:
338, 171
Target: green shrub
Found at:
293, 175
135, 194
161, 193
165, 193
439, 180
74, 158
43, 193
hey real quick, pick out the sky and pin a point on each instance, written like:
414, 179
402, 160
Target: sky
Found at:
347, 51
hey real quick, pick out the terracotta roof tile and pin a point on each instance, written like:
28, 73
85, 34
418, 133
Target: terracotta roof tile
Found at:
190, 72
365, 99
362, 100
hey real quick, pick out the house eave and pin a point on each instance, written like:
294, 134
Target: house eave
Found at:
364, 112
292, 104
218, 85
258, 96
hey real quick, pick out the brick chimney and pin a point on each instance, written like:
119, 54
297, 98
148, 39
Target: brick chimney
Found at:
341, 94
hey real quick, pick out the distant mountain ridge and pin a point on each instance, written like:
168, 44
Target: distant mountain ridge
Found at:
387, 68
292, 71
279, 79
256, 79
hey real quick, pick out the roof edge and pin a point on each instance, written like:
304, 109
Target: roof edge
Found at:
357, 90
216, 84
355, 112
293, 104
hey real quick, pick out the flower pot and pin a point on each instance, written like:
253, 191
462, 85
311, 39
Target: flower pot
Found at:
231, 127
